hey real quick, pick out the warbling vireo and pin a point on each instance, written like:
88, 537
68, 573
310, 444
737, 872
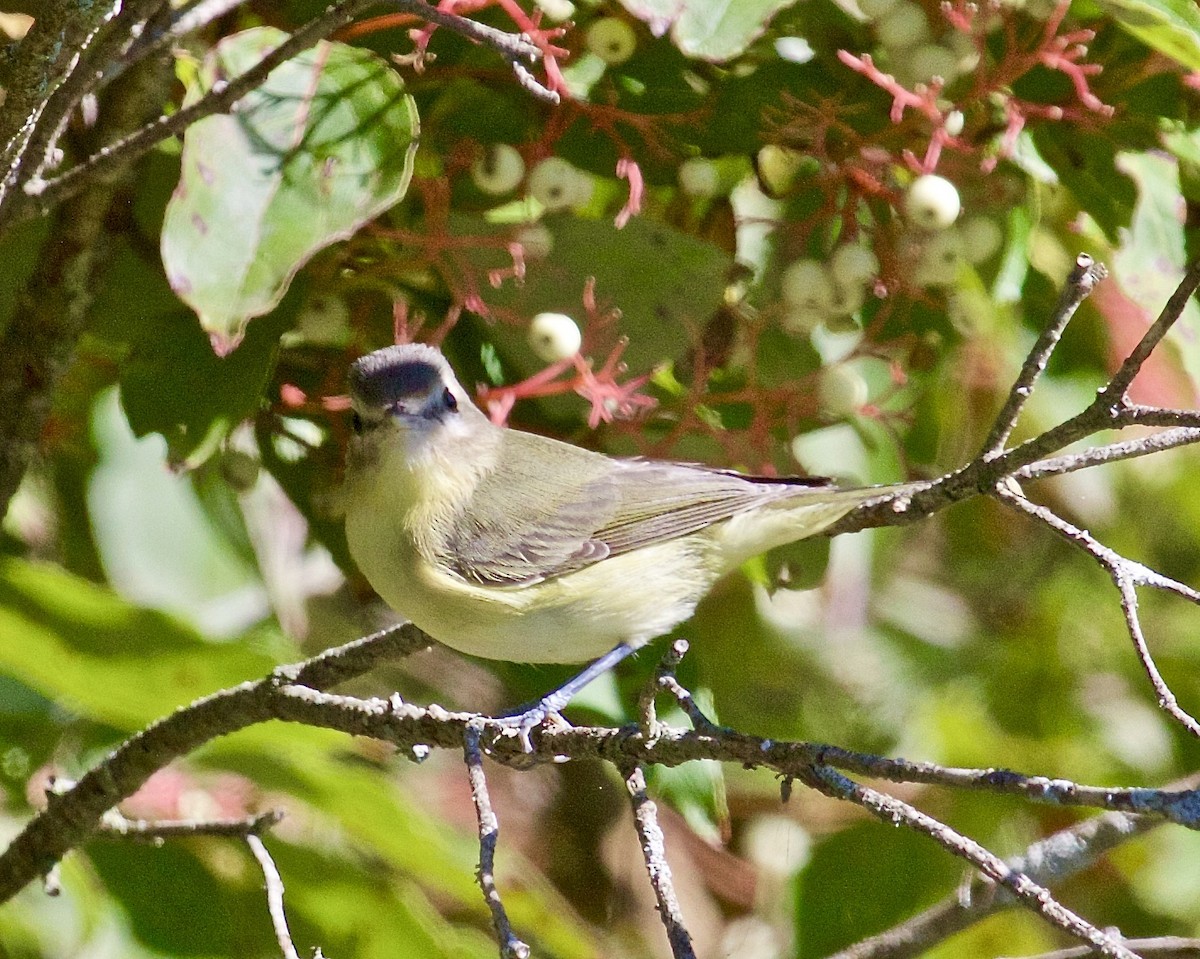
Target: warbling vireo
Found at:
513, 546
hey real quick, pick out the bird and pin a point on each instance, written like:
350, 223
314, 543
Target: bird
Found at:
509, 545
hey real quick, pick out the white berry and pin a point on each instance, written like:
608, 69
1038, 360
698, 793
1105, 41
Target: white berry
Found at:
611, 39
536, 241
556, 11
981, 238
800, 320
904, 26
853, 265
931, 60
841, 390
954, 122
874, 9
699, 177
554, 337
557, 185
932, 202
794, 49
807, 285
940, 260
778, 167
500, 169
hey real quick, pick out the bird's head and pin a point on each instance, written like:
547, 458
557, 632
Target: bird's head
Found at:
406, 397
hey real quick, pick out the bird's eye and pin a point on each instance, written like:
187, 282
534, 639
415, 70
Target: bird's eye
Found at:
356, 423
450, 400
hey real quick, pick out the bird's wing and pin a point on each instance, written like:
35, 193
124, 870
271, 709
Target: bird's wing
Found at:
550, 509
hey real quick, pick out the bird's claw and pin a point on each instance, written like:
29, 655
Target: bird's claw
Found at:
529, 719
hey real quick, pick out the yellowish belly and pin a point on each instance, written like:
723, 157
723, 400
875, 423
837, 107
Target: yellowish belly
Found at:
573, 618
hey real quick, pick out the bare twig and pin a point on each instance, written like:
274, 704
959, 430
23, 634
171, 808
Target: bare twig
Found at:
1160, 947
48, 57
489, 831
187, 19
274, 897
648, 717
220, 99
650, 838
45, 195
1027, 892
1111, 453
1126, 576
155, 830
1049, 860
72, 817
1079, 283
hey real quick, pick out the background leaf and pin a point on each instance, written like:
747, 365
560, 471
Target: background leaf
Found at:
323, 146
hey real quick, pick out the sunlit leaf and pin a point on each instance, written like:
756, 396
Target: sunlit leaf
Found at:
707, 30
325, 145
81, 645
1171, 27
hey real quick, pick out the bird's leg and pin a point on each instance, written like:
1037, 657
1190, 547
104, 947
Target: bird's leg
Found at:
553, 702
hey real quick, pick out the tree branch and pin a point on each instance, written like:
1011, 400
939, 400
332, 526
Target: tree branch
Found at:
1126, 576
73, 816
489, 831
274, 883
45, 195
1079, 283
650, 838
1048, 860
1027, 892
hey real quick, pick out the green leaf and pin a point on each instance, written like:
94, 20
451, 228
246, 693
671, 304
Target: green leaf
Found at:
1151, 259
865, 878
663, 281
1085, 162
81, 645
705, 29
395, 825
325, 145
1172, 27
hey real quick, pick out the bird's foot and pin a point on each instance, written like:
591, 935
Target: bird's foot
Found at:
544, 711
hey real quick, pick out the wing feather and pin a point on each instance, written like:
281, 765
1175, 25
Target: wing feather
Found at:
549, 509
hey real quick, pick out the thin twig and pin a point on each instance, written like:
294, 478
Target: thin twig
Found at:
647, 714
47, 59
1126, 576
489, 831
274, 896
894, 812
650, 838
1079, 283
220, 99
46, 194
1053, 859
1111, 453
1159, 947
115, 824
187, 19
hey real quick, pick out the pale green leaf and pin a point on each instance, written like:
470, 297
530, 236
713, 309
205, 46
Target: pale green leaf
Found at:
325, 145
1172, 27
1151, 258
715, 30
82, 646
